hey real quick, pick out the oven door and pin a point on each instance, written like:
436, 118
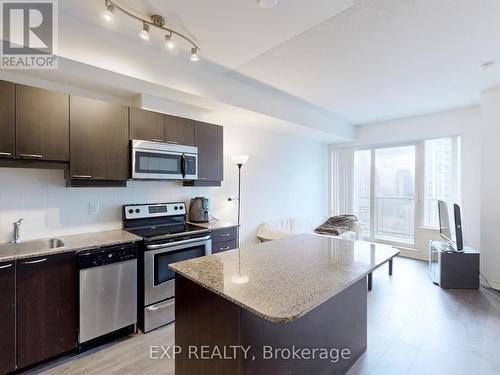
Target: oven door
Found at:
159, 280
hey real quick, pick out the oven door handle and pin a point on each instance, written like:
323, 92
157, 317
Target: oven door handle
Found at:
177, 243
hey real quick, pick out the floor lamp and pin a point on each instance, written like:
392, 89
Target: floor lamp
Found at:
239, 160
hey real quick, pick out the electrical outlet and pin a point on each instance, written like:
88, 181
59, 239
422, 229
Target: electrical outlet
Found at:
93, 207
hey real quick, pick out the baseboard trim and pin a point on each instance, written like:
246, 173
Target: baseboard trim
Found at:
411, 254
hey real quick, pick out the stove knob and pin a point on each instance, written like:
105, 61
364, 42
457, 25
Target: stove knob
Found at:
137, 210
131, 211
176, 208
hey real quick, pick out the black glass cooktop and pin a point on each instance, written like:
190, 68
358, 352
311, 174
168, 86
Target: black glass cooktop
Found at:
166, 230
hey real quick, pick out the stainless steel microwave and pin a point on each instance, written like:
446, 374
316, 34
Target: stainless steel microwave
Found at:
163, 161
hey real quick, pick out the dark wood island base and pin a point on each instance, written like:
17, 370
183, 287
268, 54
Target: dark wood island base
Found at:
210, 326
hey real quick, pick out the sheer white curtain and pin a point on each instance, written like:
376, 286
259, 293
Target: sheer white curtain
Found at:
342, 166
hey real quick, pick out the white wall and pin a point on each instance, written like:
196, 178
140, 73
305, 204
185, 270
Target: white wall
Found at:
464, 122
490, 187
285, 176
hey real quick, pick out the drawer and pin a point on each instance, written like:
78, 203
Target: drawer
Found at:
159, 314
224, 235
224, 246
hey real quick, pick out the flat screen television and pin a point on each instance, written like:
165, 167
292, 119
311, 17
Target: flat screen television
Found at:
450, 227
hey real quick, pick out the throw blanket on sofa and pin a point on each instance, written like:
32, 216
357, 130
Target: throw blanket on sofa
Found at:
337, 225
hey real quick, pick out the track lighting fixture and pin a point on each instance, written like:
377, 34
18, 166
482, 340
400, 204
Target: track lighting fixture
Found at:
156, 21
194, 54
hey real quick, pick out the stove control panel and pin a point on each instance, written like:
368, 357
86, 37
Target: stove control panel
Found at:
144, 211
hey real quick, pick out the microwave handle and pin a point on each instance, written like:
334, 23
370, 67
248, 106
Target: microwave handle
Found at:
183, 165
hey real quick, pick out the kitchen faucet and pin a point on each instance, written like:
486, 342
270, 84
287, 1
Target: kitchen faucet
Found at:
16, 232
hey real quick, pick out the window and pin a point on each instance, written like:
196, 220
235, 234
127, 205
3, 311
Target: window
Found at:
395, 194
362, 188
442, 176
388, 180
384, 193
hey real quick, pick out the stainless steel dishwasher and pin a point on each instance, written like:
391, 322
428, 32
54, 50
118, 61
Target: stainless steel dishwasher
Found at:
108, 293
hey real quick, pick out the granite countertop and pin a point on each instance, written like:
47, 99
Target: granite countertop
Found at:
214, 225
287, 277
76, 242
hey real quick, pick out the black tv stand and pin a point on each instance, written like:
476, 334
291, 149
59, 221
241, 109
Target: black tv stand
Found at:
452, 269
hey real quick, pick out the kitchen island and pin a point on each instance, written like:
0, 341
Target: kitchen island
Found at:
302, 310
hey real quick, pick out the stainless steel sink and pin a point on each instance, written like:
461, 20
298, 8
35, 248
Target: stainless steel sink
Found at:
35, 245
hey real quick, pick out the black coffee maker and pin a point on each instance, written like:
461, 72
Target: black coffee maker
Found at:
199, 210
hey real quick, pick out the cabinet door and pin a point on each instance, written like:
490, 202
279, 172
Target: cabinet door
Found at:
46, 307
146, 125
209, 140
99, 140
7, 317
179, 130
42, 124
7, 130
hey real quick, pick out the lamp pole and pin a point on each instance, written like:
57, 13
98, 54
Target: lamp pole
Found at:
239, 196
239, 160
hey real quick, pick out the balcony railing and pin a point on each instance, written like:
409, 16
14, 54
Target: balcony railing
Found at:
394, 218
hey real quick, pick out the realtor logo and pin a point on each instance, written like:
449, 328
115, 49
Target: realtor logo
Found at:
29, 34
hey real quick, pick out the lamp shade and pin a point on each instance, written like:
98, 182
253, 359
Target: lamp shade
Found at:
239, 159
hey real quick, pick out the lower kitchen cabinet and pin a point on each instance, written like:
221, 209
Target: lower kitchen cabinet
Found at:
7, 317
224, 239
46, 307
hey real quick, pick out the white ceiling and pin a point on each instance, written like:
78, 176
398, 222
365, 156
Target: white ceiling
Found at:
229, 32
309, 63
385, 59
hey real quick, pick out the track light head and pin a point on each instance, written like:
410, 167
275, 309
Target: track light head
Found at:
108, 13
267, 3
169, 42
194, 54
144, 34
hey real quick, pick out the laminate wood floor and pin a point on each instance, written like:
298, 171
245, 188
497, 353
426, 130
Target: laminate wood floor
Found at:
414, 327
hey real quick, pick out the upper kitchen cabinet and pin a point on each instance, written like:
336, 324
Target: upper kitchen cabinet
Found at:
7, 124
42, 124
7, 317
99, 140
157, 127
179, 130
146, 125
209, 139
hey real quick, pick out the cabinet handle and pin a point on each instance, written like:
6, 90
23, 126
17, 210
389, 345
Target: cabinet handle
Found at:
225, 234
36, 261
156, 140
5, 154
202, 178
170, 141
33, 156
6, 266
81, 176
225, 248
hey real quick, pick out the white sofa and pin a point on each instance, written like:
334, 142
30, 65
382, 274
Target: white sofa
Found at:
286, 227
